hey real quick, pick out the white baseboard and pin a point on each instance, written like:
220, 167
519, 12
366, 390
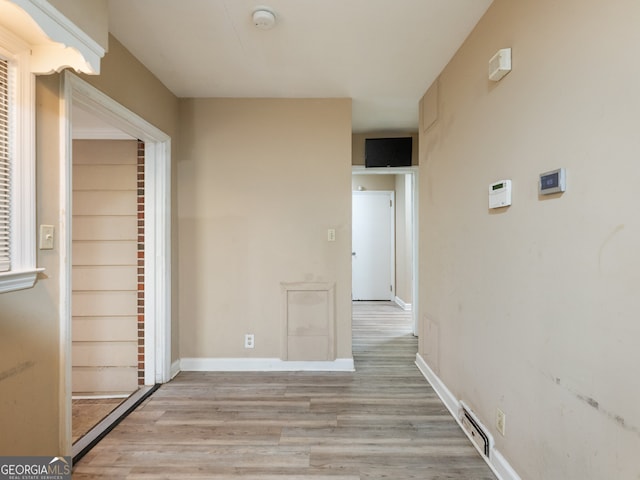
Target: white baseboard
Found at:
501, 467
402, 304
175, 369
496, 460
448, 398
263, 365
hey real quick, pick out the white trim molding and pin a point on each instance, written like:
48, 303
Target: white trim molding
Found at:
68, 45
76, 92
23, 271
175, 368
11, 281
448, 398
402, 304
263, 365
496, 461
414, 171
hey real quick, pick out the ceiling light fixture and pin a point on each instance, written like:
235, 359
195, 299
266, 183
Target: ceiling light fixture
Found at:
264, 18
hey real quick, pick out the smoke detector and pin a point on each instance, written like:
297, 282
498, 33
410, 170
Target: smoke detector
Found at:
264, 18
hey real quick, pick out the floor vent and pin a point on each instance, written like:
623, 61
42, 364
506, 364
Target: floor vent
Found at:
475, 430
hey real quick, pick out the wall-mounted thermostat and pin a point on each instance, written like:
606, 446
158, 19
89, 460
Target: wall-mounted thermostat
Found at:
552, 182
500, 194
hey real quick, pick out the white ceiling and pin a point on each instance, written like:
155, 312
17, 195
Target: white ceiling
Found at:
383, 54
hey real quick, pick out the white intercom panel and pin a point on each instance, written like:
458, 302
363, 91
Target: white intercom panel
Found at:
500, 194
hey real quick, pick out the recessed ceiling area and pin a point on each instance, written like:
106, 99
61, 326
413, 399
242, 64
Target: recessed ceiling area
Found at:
383, 54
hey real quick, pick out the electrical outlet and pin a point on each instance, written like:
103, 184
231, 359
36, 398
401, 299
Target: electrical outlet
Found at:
501, 420
249, 341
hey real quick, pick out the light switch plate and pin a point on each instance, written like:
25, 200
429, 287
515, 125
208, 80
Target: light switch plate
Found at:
46, 237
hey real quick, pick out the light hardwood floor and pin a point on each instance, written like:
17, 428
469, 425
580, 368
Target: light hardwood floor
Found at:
382, 422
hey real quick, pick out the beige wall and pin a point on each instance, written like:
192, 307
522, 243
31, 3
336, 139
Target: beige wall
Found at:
29, 319
534, 308
91, 16
260, 182
373, 182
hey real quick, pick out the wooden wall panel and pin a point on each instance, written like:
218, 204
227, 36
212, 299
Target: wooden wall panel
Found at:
105, 329
105, 277
104, 177
99, 354
103, 253
105, 267
104, 380
107, 303
123, 227
103, 202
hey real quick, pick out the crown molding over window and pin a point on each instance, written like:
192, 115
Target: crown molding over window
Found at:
35, 38
56, 42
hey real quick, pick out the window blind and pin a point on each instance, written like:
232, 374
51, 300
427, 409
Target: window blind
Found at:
5, 170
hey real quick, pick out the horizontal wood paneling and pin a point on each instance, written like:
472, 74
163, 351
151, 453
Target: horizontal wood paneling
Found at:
105, 277
105, 266
104, 380
107, 329
105, 228
101, 353
104, 152
100, 304
104, 177
102, 202
104, 253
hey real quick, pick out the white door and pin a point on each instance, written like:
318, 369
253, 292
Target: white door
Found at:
373, 246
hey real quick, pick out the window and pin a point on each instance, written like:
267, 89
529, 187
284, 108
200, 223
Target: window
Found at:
5, 169
17, 166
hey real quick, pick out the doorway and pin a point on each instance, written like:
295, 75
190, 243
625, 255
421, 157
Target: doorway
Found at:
156, 255
373, 245
404, 182
107, 291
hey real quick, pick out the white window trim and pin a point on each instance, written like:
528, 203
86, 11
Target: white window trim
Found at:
69, 45
23, 272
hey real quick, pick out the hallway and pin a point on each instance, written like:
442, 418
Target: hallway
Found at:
383, 421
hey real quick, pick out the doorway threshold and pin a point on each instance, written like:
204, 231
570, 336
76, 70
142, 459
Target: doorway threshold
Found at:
108, 423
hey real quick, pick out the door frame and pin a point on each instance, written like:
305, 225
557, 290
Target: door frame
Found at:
413, 171
157, 258
390, 194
